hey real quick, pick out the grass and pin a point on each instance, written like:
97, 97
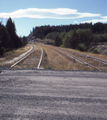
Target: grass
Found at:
60, 61
45, 41
91, 54
12, 54
53, 59
94, 62
32, 60
56, 60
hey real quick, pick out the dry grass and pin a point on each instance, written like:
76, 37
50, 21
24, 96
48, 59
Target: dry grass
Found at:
89, 60
53, 59
104, 57
45, 41
12, 54
56, 60
32, 60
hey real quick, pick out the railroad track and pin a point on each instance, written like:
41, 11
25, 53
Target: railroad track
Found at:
40, 59
70, 54
79, 60
28, 53
89, 56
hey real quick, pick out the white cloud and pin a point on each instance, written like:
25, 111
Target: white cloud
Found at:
75, 22
102, 19
59, 13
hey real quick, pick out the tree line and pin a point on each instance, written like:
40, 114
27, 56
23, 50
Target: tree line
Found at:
9, 40
81, 36
42, 31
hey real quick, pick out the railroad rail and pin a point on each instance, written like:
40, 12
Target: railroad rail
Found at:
40, 59
79, 60
29, 52
70, 54
89, 56
63, 51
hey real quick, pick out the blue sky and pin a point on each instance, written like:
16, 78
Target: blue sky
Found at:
27, 14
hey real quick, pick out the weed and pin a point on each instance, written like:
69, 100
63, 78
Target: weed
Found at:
95, 51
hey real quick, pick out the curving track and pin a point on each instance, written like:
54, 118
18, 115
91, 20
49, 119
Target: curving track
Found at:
29, 52
89, 56
80, 60
40, 59
27, 61
95, 63
54, 57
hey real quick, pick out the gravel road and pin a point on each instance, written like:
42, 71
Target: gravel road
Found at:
53, 95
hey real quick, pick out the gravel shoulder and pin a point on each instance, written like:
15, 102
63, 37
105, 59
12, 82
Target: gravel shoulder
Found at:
53, 95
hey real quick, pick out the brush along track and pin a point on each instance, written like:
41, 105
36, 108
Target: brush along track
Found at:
95, 65
31, 60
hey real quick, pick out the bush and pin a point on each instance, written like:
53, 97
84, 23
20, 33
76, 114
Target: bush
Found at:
2, 50
82, 47
95, 51
62, 46
58, 41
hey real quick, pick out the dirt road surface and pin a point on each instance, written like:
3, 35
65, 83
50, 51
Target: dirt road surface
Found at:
53, 95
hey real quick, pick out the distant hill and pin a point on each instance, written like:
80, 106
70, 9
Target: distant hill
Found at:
84, 37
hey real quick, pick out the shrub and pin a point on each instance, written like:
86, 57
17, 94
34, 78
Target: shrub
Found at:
95, 51
62, 46
82, 47
2, 50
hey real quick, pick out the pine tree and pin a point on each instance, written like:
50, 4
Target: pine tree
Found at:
5, 40
15, 40
58, 41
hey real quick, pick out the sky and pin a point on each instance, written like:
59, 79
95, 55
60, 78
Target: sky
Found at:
27, 14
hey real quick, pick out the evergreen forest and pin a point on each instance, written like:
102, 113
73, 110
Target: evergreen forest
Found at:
80, 37
9, 40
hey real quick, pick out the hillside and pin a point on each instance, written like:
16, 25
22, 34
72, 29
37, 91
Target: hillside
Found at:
84, 37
